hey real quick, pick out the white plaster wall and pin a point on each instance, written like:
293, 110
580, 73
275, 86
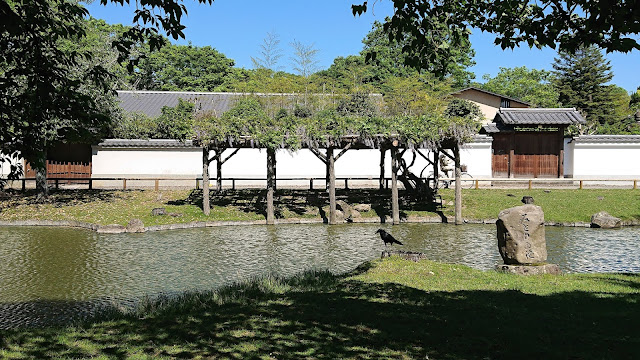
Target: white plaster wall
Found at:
114, 162
477, 157
568, 157
251, 163
597, 160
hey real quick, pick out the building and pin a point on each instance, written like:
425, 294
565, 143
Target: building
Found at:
489, 102
529, 143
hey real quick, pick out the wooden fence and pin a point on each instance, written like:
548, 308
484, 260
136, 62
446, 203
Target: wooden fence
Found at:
319, 183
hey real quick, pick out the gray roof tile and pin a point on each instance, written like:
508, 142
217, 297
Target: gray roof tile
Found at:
539, 116
607, 139
149, 143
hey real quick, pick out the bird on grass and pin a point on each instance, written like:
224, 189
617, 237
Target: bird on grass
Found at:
387, 238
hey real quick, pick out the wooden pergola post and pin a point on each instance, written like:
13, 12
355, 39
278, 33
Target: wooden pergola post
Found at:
206, 206
271, 184
382, 153
395, 206
458, 190
332, 186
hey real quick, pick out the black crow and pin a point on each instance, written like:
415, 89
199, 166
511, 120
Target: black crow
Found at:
387, 238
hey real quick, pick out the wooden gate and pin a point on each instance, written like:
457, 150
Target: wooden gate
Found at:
63, 169
527, 155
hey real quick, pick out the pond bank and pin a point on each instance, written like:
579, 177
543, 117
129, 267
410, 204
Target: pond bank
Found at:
119, 229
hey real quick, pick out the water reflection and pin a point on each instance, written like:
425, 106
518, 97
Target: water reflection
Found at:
67, 266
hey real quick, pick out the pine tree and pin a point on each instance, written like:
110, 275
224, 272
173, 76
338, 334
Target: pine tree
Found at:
580, 82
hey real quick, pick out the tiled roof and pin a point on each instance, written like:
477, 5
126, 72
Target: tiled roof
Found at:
150, 103
538, 116
607, 139
150, 143
492, 128
491, 93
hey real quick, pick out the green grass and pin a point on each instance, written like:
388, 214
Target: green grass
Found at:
118, 207
559, 205
389, 308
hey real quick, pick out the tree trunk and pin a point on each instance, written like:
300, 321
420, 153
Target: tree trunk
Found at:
40, 167
332, 186
271, 184
395, 205
458, 207
206, 206
382, 152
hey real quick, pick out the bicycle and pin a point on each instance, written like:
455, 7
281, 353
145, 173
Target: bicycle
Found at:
466, 180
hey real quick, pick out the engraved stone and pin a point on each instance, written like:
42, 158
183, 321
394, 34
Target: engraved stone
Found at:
521, 238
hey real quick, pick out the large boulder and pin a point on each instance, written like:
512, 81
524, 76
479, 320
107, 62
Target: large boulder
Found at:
521, 238
605, 221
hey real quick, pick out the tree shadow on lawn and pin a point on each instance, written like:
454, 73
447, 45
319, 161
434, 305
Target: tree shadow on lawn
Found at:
306, 202
63, 197
334, 318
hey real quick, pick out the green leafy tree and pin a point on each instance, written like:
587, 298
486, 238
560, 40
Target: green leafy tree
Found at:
41, 98
393, 54
176, 122
634, 101
437, 27
530, 85
581, 82
46, 92
187, 68
350, 74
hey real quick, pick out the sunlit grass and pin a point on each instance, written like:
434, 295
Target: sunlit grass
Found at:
389, 308
118, 207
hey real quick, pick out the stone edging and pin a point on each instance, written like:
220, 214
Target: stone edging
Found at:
118, 229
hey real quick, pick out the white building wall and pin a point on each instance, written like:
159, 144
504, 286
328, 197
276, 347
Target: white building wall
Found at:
610, 160
477, 157
568, 157
121, 162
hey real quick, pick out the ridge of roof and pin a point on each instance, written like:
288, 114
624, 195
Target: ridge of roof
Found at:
142, 92
491, 93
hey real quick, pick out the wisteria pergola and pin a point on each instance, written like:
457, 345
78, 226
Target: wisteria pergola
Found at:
328, 136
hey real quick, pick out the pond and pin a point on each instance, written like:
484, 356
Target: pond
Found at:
64, 272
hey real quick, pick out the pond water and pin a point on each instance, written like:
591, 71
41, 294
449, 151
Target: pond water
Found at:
47, 274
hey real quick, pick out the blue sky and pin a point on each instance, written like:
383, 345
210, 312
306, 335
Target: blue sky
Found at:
237, 28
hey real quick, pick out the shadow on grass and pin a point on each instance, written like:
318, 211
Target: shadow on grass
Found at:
321, 316
58, 198
310, 202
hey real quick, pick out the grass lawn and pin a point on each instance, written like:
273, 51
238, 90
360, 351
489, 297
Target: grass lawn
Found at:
389, 308
118, 207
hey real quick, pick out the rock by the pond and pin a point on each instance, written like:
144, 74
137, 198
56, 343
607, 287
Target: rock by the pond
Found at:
135, 226
348, 210
552, 269
339, 214
158, 211
521, 238
605, 221
527, 199
111, 229
362, 207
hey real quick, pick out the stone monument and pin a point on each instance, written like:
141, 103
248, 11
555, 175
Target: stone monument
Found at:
521, 241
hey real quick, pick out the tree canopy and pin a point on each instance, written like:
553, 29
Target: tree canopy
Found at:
530, 85
439, 27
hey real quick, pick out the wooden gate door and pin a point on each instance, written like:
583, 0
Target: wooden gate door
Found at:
62, 170
500, 157
535, 155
